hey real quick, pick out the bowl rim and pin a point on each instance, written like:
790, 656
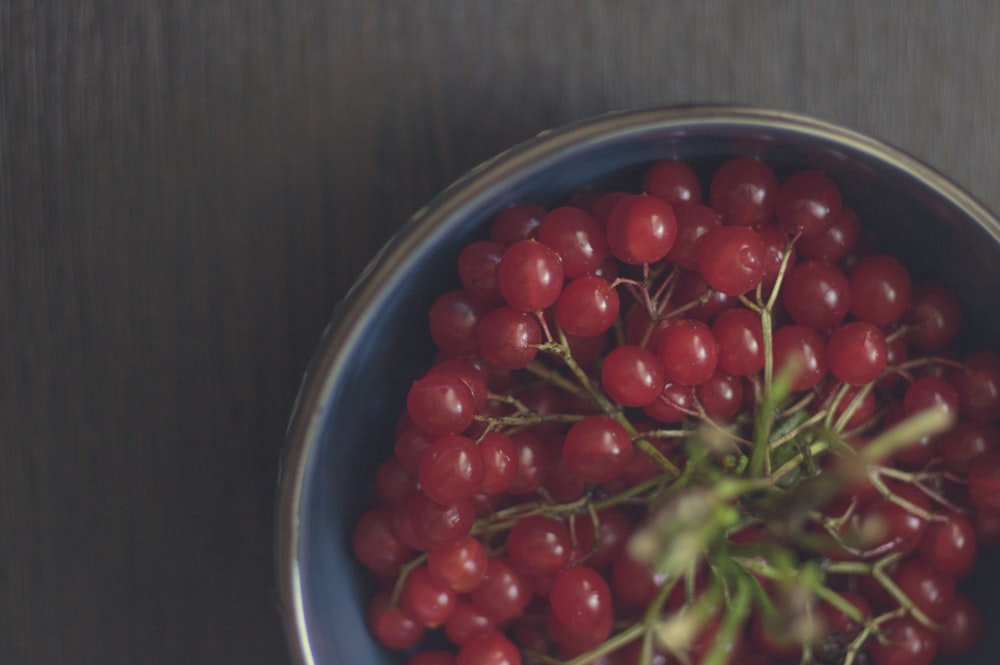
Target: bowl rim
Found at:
535, 154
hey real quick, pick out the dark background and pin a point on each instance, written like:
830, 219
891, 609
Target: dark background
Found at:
187, 187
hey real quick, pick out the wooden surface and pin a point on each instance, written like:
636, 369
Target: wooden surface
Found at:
188, 186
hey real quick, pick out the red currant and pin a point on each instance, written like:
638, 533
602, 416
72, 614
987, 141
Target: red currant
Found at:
731, 259
641, 229
743, 191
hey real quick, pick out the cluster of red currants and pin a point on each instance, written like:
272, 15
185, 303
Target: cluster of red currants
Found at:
673, 428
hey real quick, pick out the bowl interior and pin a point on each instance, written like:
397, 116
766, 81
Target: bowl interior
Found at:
343, 424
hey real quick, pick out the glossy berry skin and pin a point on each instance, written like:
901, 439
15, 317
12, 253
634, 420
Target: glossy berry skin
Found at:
906, 642
882, 525
674, 403
426, 600
740, 338
934, 318
376, 544
423, 523
688, 352
632, 375
931, 392
452, 322
581, 601
880, 289
466, 621
816, 294
856, 353
804, 347
451, 470
966, 441
961, 629
776, 247
587, 307
503, 593
743, 190
530, 276
949, 545
721, 396
807, 203
836, 242
517, 222
441, 404
978, 385
477, 270
392, 627
641, 229
539, 545
732, 259
488, 648
577, 237
930, 589
507, 338
673, 181
459, 564
499, 463
693, 221
597, 449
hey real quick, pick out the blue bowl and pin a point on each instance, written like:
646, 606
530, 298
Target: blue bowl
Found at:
343, 421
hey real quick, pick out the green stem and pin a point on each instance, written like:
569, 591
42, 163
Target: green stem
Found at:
611, 645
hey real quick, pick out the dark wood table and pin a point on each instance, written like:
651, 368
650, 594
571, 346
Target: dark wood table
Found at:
188, 186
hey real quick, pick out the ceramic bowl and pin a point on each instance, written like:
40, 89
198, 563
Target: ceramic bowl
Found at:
343, 421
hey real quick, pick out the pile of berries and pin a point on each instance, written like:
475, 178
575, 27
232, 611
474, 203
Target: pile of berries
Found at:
673, 428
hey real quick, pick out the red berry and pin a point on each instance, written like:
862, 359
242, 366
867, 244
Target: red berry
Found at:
477, 270
740, 337
693, 222
376, 544
441, 404
984, 482
488, 648
836, 242
731, 259
503, 593
632, 375
743, 191
800, 347
673, 181
518, 222
459, 564
688, 352
581, 601
508, 338
856, 353
880, 289
807, 203
577, 237
597, 449
499, 462
934, 318
530, 276
426, 600
538, 545
949, 545
816, 294
641, 229
587, 307
391, 626
904, 642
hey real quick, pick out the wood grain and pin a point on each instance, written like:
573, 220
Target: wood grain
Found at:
187, 188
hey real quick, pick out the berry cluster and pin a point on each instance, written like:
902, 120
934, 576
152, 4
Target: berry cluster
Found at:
668, 428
